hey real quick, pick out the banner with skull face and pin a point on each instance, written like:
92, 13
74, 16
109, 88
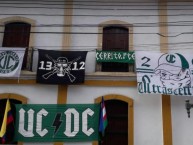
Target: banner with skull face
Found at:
164, 73
61, 67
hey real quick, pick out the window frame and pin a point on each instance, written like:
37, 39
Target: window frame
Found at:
130, 114
116, 23
18, 27
16, 97
13, 19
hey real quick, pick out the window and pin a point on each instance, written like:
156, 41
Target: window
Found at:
117, 129
115, 38
10, 127
14, 99
17, 34
115, 35
120, 120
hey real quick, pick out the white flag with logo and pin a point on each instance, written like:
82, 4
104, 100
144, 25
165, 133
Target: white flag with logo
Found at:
11, 60
164, 73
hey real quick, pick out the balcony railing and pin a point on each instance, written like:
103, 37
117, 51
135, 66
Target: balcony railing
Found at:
29, 72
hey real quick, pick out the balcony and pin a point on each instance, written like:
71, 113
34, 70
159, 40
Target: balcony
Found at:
92, 70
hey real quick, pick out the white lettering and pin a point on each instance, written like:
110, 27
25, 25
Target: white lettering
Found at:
39, 130
29, 131
85, 129
68, 114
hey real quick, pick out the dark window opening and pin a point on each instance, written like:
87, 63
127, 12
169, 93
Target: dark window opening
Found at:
10, 127
17, 34
117, 128
115, 39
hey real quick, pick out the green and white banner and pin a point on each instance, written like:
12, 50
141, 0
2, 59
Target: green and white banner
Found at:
115, 56
164, 73
11, 60
57, 123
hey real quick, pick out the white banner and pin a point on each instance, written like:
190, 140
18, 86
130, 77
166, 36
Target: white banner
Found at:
164, 73
11, 60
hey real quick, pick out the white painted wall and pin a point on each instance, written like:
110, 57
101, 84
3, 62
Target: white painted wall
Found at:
90, 41
147, 110
41, 40
36, 94
182, 128
49, 40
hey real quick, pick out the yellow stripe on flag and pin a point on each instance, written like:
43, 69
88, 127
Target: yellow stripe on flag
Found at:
4, 124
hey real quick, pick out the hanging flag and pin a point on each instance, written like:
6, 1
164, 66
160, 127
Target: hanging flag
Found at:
103, 118
11, 60
61, 67
164, 73
7, 120
115, 56
57, 122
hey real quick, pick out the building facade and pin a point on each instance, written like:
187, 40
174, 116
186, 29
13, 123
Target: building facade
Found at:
135, 119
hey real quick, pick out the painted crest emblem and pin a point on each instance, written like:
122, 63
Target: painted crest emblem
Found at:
9, 61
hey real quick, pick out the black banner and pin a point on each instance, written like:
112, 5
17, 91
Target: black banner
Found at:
61, 67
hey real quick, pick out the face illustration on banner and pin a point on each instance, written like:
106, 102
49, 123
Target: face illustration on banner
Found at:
174, 71
62, 67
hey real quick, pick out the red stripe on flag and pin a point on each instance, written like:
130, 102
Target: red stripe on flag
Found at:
105, 116
3, 139
9, 118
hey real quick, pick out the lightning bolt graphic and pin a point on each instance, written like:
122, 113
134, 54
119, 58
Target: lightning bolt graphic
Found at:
57, 122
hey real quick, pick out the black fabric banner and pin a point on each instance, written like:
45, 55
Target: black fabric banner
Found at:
61, 67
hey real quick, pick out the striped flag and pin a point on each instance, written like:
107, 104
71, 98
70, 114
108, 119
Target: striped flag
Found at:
8, 118
103, 118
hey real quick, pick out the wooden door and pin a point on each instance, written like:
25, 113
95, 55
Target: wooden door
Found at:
117, 129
